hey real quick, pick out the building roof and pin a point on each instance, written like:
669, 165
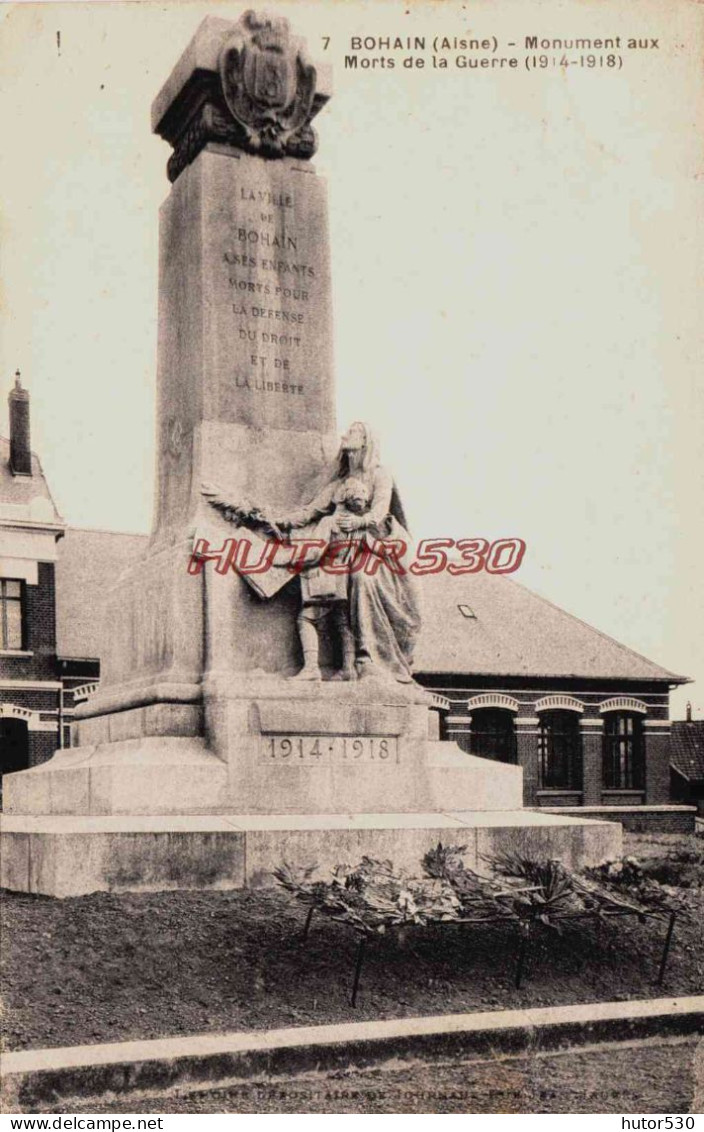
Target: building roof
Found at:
687, 749
25, 498
515, 632
89, 560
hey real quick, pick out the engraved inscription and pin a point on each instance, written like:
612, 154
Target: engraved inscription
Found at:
274, 292
324, 750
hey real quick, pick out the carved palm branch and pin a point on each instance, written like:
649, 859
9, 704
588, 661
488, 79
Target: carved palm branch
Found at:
243, 512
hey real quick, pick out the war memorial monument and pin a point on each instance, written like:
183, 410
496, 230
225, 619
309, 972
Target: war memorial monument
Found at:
244, 720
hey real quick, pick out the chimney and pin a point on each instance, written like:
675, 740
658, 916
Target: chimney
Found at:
20, 450
689, 712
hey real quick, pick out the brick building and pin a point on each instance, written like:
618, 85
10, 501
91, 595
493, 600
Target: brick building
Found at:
32, 698
525, 682
51, 577
687, 764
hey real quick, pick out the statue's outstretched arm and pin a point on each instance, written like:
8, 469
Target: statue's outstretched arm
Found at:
321, 505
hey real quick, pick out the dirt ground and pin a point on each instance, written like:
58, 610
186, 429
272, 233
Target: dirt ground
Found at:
105, 968
653, 1076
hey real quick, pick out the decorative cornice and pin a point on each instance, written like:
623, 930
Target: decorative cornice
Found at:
31, 718
12, 711
83, 691
559, 703
43, 527
440, 702
493, 700
623, 703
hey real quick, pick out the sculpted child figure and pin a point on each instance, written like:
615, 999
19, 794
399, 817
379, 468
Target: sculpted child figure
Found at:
325, 599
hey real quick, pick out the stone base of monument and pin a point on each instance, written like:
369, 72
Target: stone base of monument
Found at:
133, 776
72, 856
273, 745
319, 773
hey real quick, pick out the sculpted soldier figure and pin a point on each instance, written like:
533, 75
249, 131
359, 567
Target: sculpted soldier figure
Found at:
324, 594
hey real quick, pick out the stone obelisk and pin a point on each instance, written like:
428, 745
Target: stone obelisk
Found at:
245, 400
245, 357
245, 380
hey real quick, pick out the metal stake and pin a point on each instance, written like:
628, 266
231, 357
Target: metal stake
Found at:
309, 917
358, 969
666, 949
522, 955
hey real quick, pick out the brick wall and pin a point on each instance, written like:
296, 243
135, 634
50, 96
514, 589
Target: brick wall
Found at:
592, 769
526, 692
42, 745
559, 798
527, 745
39, 631
657, 766
35, 699
41, 612
40, 640
649, 821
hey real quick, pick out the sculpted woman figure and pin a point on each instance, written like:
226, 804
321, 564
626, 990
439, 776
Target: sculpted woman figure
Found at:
375, 610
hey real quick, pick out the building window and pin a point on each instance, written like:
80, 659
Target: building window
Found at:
560, 751
14, 746
624, 751
493, 735
10, 613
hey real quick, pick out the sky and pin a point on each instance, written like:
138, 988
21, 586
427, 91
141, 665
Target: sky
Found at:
516, 272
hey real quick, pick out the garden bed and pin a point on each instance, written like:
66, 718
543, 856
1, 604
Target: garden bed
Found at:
108, 967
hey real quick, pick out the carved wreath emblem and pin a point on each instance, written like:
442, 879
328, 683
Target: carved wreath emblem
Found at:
174, 437
268, 86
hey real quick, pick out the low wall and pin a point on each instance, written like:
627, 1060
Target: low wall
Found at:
635, 819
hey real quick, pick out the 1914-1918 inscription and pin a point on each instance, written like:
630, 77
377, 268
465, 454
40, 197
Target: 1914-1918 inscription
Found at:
324, 750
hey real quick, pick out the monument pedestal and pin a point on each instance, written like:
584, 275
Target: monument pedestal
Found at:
308, 773
273, 745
